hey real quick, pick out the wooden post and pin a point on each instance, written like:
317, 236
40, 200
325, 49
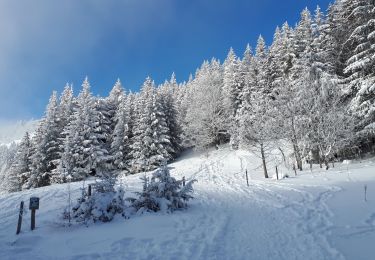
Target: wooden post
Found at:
32, 219
277, 173
263, 160
183, 181
89, 190
247, 179
20, 219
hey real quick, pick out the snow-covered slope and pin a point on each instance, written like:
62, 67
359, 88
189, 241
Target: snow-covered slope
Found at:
315, 215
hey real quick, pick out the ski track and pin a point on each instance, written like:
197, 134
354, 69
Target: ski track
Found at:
227, 220
233, 205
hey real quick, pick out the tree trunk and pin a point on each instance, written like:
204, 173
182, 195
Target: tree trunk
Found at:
282, 153
263, 161
297, 155
320, 157
277, 173
326, 163
295, 147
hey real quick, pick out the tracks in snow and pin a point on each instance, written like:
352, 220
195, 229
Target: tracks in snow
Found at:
268, 220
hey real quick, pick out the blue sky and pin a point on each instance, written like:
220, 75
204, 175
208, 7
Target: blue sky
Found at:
46, 43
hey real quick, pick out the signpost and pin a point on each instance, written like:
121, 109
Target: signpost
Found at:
34, 205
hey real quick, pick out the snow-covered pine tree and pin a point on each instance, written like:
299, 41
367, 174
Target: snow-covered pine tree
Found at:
162, 193
105, 202
20, 168
359, 70
46, 153
232, 86
302, 41
65, 111
108, 111
116, 95
123, 134
232, 89
66, 106
184, 101
10, 177
81, 142
245, 73
275, 59
302, 36
101, 137
324, 43
142, 134
244, 79
167, 98
151, 140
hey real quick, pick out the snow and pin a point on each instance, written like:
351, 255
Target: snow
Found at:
314, 215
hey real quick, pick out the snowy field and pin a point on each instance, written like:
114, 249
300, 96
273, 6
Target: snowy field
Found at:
315, 215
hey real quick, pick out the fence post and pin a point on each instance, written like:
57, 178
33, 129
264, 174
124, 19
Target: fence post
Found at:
277, 173
32, 219
183, 181
19, 224
247, 179
89, 190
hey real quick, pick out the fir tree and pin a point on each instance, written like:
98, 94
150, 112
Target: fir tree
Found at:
81, 144
123, 134
150, 141
46, 154
162, 193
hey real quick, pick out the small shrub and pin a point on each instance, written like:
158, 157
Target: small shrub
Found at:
102, 205
162, 193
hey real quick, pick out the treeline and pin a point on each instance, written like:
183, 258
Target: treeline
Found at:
87, 136
313, 86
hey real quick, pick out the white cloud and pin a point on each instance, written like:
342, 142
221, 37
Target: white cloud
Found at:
14, 130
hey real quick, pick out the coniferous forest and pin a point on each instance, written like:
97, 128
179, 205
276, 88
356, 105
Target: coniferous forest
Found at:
313, 86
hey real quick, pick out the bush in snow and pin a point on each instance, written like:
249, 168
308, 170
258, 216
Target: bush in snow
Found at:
104, 203
162, 192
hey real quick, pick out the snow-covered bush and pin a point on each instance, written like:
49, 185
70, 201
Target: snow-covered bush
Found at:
104, 203
162, 193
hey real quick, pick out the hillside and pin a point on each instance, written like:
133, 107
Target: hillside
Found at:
315, 215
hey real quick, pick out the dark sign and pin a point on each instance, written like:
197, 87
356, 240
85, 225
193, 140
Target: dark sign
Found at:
34, 203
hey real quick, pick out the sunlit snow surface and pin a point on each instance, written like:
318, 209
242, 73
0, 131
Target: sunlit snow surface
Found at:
315, 215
